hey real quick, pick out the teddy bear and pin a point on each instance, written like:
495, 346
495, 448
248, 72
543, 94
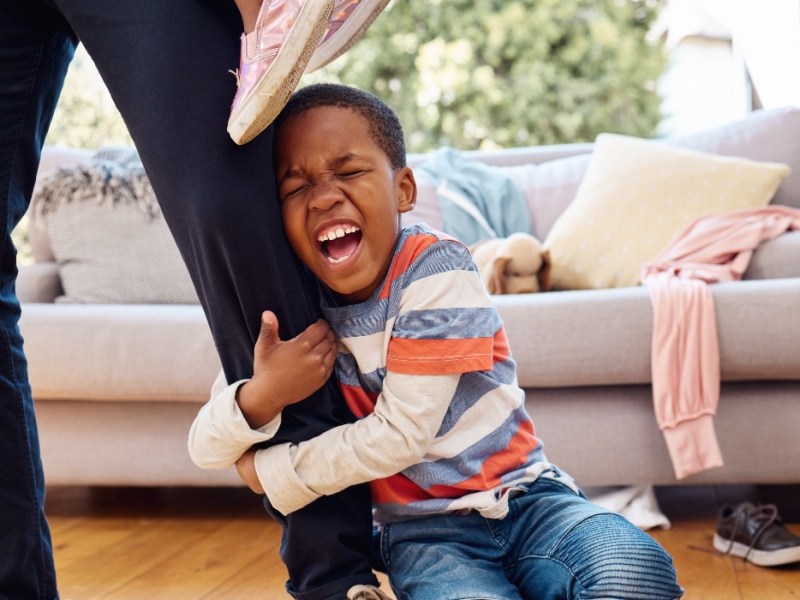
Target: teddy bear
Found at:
516, 264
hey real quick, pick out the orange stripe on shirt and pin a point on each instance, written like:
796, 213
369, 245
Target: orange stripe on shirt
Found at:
502, 349
412, 248
512, 457
399, 489
439, 357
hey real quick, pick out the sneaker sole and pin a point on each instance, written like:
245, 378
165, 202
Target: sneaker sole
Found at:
349, 33
761, 558
258, 110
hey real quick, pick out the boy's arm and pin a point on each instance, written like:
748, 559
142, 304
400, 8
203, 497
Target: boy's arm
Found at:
220, 434
408, 414
247, 412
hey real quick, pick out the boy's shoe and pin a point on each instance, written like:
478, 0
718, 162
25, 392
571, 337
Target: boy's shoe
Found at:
366, 592
757, 534
349, 21
273, 58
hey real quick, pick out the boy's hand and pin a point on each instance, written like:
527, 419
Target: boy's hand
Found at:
246, 467
285, 372
294, 369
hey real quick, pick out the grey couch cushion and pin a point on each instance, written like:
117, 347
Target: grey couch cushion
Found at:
602, 337
119, 352
776, 258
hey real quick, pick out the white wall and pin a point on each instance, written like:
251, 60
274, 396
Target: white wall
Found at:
704, 86
717, 47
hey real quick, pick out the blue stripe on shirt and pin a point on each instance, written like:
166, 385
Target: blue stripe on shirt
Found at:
445, 324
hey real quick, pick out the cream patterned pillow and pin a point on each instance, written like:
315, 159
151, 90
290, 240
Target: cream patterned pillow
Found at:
636, 196
107, 234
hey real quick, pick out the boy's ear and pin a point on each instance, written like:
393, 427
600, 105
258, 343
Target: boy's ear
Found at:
406, 190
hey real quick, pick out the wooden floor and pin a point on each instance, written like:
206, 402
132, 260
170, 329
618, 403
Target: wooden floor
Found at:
137, 544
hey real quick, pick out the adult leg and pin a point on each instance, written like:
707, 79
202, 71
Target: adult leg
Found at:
562, 546
35, 50
165, 64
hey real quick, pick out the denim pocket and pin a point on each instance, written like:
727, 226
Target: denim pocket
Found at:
560, 479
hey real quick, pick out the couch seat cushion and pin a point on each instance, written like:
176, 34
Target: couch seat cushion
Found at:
602, 337
119, 352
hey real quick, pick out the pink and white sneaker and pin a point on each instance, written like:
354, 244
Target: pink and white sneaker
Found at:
273, 58
349, 21
366, 592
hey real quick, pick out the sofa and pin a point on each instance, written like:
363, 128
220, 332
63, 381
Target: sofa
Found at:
117, 382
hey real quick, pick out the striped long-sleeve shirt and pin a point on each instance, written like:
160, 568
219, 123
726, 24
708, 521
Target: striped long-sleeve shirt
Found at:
425, 365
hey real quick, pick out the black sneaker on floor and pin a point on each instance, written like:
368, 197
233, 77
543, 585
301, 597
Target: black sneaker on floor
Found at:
757, 534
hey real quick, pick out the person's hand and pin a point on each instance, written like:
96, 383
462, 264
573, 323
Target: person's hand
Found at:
246, 467
294, 369
285, 372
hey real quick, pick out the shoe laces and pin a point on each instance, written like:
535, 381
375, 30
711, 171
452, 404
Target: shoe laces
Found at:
235, 73
766, 513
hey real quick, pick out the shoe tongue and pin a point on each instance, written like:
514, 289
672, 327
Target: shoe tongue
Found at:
750, 508
250, 44
343, 246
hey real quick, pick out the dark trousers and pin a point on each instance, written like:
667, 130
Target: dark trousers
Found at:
165, 63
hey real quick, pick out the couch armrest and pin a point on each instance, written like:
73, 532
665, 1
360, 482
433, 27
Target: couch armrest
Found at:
776, 259
39, 282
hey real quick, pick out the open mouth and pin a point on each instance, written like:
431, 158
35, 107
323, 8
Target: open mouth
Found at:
338, 243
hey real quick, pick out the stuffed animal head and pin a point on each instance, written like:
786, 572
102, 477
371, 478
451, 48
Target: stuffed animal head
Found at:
512, 265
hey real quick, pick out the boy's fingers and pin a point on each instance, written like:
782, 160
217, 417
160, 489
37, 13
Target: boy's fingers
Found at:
268, 335
316, 332
330, 357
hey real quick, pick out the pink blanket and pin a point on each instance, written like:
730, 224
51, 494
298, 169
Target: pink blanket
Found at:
685, 351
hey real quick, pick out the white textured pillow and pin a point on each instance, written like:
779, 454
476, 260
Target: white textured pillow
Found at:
109, 238
635, 197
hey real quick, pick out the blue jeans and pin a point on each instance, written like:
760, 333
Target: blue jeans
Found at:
552, 544
165, 63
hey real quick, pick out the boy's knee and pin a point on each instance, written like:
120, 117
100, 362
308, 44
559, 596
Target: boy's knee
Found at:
621, 561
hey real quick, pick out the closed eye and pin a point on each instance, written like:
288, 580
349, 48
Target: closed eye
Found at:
292, 192
351, 173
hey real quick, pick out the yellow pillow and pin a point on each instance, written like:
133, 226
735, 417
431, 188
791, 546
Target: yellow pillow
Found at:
635, 197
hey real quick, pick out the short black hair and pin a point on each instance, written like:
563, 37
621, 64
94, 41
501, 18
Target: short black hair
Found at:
384, 126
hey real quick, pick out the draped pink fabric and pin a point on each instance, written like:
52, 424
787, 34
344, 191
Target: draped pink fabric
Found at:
685, 349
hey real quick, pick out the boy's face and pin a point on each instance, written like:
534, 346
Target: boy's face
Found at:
340, 198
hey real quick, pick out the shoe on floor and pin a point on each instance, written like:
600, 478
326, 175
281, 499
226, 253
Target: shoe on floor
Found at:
757, 534
273, 58
349, 21
366, 592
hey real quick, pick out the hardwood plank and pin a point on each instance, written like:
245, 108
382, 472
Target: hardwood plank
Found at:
702, 573
259, 578
215, 558
112, 567
129, 544
125, 534
774, 582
